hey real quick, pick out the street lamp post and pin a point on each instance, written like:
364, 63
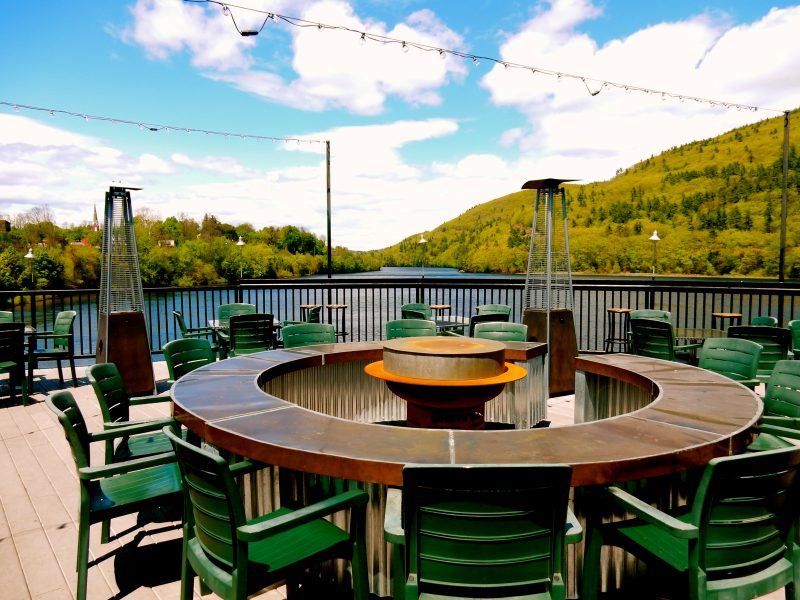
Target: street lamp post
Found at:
29, 256
421, 243
240, 243
655, 239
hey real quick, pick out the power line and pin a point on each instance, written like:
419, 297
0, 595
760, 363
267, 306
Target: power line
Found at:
476, 59
146, 126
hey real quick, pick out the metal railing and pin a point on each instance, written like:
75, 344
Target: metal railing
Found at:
374, 301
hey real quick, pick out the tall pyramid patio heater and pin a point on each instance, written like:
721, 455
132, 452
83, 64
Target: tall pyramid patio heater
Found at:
548, 300
122, 336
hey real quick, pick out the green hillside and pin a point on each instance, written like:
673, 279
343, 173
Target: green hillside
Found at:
716, 204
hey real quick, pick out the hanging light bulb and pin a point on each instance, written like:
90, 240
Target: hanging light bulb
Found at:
475, 61
363, 39
225, 10
404, 48
442, 54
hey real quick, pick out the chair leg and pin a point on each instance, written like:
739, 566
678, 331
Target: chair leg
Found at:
359, 566
60, 373
83, 557
72, 368
590, 586
105, 531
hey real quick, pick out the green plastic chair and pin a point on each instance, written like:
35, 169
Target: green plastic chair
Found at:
655, 339
63, 347
409, 328
6, 316
736, 539
418, 310
651, 313
234, 557
308, 334
764, 320
494, 317
195, 332
185, 355
485, 530
224, 314
776, 342
781, 417
734, 358
794, 327
12, 359
251, 333
500, 331
493, 308
115, 403
111, 490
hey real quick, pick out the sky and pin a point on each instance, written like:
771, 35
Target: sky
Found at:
417, 137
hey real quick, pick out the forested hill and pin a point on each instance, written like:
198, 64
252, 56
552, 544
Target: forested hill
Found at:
716, 205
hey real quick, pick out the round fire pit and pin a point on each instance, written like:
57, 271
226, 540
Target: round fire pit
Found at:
446, 381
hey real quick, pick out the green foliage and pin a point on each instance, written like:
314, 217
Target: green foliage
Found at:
715, 203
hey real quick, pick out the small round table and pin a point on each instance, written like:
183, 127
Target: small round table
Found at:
735, 318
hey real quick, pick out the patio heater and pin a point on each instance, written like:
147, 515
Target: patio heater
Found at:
122, 336
548, 299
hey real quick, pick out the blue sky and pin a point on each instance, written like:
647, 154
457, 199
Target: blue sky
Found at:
416, 139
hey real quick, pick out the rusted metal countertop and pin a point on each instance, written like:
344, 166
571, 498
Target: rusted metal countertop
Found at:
695, 416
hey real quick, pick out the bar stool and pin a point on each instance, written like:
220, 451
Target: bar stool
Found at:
622, 341
735, 318
332, 319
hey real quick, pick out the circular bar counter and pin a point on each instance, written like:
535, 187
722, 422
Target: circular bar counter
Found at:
641, 418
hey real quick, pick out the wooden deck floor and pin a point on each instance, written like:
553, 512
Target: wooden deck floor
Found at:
39, 502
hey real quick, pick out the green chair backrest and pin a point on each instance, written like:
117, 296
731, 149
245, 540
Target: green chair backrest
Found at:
794, 327
782, 397
185, 355
652, 338
63, 404
226, 311
409, 328
732, 357
478, 530
251, 333
746, 508
764, 320
500, 331
313, 315
110, 390
181, 323
6, 316
12, 347
307, 334
776, 342
214, 507
63, 325
421, 310
495, 317
651, 313
494, 308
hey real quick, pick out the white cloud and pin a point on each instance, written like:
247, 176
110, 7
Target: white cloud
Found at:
354, 76
571, 132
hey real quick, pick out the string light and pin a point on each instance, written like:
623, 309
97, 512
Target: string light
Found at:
156, 126
476, 59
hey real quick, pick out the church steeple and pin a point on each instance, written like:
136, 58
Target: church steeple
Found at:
95, 223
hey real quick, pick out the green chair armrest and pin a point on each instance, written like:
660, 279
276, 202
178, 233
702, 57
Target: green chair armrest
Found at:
130, 429
243, 467
687, 346
781, 421
783, 431
44, 335
157, 424
120, 468
150, 399
259, 531
652, 515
